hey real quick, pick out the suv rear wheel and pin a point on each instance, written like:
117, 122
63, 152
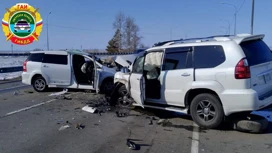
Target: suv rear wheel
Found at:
207, 111
39, 84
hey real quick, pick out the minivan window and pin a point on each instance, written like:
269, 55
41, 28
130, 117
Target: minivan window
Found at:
36, 57
55, 59
256, 52
208, 56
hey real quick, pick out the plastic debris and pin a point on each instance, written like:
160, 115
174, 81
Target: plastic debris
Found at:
120, 114
150, 122
131, 145
89, 109
63, 127
59, 93
59, 121
79, 126
16, 93
161, 121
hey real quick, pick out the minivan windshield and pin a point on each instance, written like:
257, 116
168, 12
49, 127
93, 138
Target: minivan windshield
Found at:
256, 52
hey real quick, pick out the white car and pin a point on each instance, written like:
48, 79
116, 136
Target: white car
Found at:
62, 69
209, 78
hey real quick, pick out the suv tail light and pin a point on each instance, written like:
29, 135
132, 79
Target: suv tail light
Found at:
242, 70
24, 66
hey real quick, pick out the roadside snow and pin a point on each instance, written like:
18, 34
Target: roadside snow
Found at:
264, 113
8, 76
10, 61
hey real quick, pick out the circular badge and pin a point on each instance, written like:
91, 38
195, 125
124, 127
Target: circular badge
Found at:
22, 24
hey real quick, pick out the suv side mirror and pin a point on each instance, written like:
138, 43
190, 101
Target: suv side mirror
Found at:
125, 70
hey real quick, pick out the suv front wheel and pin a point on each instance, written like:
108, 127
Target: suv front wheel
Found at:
39, 84
207, 111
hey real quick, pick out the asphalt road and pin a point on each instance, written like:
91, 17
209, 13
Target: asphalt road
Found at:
30, 123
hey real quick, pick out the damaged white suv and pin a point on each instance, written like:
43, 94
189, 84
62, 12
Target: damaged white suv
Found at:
208, 78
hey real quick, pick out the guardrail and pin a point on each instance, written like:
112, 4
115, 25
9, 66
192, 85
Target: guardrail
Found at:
11, 69
27, 54
14, 54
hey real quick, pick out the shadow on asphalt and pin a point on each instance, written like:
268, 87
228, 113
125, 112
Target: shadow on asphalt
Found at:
165, 115
225, 126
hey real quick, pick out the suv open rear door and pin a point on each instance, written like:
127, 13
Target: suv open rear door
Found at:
259, 58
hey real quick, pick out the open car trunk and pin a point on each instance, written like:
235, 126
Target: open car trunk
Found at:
259, 58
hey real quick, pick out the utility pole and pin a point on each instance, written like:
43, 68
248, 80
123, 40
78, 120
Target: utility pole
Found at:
235, 14
47, 30
252, 16
228, 25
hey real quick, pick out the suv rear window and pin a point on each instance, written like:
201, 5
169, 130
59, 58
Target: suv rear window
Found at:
208, 56
36, 57
256, 52
55, 59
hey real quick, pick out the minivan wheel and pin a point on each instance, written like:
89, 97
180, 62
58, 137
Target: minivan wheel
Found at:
207, 111
39, 84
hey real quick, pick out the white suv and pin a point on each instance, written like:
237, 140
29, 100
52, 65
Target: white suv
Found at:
62, 69
209, 78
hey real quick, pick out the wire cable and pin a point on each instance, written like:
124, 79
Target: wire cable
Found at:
241, 6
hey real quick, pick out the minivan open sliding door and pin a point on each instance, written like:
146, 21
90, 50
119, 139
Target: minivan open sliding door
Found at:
56, 69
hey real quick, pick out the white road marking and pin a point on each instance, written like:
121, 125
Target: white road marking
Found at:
27, 108
30, 107
195, 139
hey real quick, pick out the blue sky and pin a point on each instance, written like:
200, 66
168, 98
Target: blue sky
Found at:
89, 22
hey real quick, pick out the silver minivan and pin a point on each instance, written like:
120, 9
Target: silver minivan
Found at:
62, 69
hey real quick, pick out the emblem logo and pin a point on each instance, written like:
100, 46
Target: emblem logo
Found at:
22, 24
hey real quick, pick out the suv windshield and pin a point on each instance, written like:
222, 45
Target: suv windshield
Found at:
256, 52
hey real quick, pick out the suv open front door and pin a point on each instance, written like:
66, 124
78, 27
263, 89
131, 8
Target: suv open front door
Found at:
137, 81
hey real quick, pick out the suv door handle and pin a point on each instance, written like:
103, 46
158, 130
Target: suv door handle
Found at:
45, 66
185, 74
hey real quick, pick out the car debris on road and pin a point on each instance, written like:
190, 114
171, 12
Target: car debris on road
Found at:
15, 93
63, 127
59, 93
79, 126
89, 109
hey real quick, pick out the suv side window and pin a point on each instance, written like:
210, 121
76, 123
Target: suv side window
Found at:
36, 57
177, 58
138, 65
55, 59
208, 56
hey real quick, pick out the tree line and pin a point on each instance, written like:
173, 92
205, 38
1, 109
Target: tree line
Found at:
126, 37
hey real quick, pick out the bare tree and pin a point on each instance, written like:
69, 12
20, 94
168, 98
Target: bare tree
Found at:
129, 38
118, 24
131, 34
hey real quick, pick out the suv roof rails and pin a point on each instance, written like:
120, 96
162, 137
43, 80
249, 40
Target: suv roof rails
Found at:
188, 40
165, 42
